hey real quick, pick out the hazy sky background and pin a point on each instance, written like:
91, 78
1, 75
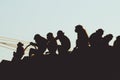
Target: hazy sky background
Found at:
22, 19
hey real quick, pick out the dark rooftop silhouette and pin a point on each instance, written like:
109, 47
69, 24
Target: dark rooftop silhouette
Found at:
92, 58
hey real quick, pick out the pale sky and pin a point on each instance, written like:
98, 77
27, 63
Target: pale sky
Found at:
22, 19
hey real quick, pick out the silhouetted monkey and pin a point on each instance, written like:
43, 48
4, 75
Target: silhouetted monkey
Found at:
107, 39
51, 43
96, 38
116, 43
82, 37
40, 43
19, 52
65, 43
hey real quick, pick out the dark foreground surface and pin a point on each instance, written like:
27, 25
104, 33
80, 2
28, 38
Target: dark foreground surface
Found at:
88, 65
